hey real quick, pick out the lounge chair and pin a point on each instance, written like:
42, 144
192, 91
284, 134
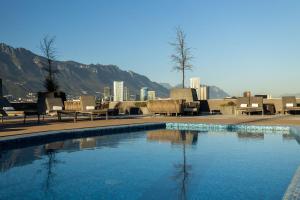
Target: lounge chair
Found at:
243, 103
289, 103
168, 106
250, 105
88, 107
2, 115
256, 105
7, 110
56, 106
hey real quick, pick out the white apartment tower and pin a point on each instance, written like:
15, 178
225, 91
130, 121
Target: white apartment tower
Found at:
118, 90
151, 95
195, 83
144, 94
204, 92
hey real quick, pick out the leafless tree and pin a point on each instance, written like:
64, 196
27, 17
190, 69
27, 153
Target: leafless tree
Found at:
48, 50
182, 56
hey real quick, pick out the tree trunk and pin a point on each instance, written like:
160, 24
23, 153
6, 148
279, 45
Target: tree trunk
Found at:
183, 78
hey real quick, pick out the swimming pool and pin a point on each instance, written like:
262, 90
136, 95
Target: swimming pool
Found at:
157, 164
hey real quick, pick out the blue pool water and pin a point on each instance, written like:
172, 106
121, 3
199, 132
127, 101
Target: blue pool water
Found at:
160, 164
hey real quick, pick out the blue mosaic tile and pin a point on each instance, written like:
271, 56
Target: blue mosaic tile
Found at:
227, 127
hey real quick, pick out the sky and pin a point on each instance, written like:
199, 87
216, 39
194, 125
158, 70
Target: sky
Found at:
237, 45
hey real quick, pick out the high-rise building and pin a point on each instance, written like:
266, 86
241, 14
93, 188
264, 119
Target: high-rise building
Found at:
195, 83
204, 92
118, 90
126, 94
1, 91
247, 94
144, 94
107, 93
151, 95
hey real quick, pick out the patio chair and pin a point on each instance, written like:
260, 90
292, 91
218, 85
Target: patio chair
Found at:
56, 106
88, 107
256, 105
250, 105
289, 103
243, 103
2, 115
9, 111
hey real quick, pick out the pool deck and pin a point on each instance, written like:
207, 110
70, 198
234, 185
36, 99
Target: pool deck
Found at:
12, 127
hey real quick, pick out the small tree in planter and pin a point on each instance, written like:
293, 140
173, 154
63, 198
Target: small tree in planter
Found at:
48, 50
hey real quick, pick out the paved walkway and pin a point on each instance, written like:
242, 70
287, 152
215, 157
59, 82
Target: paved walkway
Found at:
16, 127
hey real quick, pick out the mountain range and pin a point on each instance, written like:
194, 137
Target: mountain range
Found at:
22, 72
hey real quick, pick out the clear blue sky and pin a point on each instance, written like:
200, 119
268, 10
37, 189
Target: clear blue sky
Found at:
237, 44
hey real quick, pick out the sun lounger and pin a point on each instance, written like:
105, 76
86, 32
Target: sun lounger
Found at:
8, 110
88, 107
55, 105
168, 106
256, 105
289, 103
250, 105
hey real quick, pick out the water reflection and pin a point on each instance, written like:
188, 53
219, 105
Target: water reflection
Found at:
250, 136
173, 136
51, 163
24, 156
288, 137
183, 169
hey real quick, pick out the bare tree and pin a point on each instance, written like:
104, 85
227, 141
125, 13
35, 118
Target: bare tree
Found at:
182, 55
48, 50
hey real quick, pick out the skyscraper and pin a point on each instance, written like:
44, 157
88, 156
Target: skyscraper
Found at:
118, 90
151, 95
126, 94
204, 92
106, 93
144, 94
195, 83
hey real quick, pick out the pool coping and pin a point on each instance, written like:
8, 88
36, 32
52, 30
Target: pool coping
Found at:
21, 141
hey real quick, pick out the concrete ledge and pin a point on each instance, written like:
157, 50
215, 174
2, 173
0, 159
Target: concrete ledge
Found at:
21, 141
293, 191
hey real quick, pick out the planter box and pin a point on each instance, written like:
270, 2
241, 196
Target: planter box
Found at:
228, 110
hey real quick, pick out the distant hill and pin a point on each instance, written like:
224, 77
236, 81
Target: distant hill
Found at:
21, 72
217, 93
166, 85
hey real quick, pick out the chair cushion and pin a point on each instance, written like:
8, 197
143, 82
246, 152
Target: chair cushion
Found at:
56, 108
90, 107
8, 108
243, 105
289, 105
254, 105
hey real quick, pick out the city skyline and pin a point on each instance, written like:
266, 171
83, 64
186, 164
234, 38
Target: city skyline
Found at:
231, 41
